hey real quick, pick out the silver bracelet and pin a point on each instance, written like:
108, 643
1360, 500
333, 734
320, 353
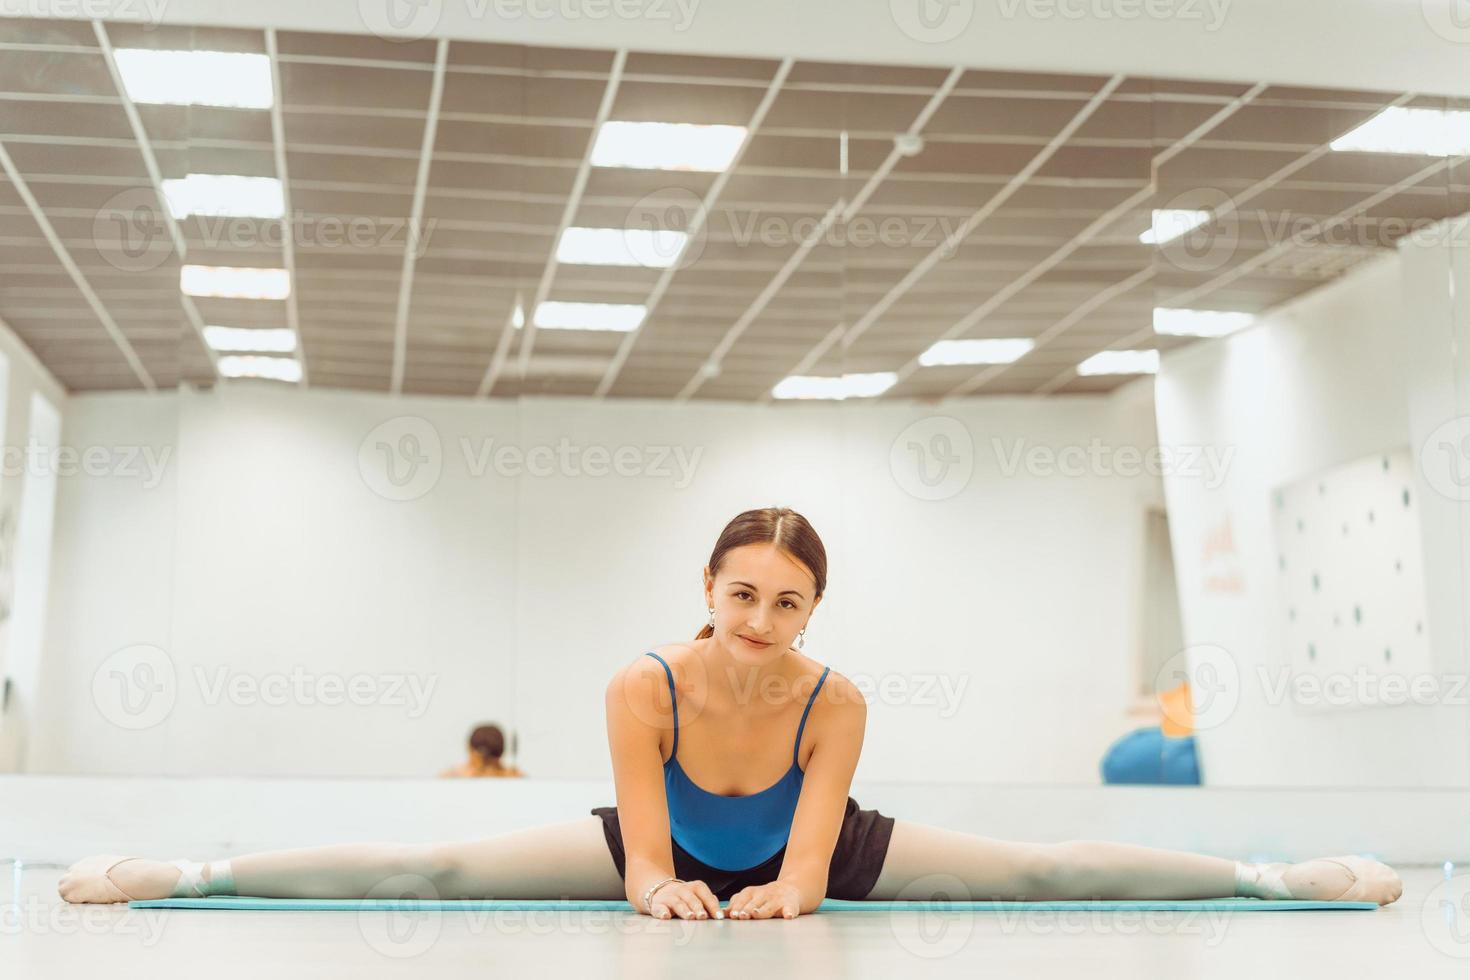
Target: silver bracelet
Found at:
648, 895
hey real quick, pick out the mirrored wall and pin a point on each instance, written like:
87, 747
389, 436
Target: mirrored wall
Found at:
419, 378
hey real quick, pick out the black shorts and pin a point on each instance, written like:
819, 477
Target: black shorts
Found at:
857, 859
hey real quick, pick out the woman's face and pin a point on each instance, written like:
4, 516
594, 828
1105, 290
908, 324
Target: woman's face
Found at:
762, 598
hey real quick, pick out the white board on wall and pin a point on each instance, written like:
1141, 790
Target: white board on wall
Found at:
1350, 561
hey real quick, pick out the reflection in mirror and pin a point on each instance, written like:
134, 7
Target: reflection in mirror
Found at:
1003, 205
1319, 579
89, 356
1019, 193
1446, 451
461, 354
691, 271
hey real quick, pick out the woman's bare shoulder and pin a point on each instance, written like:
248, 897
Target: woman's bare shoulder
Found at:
674, 654
837, 689
674, 651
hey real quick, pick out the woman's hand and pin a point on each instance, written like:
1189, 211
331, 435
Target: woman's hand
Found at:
779, 898
687, 900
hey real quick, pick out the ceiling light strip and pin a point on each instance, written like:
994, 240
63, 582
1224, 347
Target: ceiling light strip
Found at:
696, 224
155, 175
955, 238
288, 221
1115, 362
64, 257
1420, 131
574, 201
416, 218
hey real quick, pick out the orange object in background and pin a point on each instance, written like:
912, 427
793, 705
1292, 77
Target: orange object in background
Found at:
1178, 711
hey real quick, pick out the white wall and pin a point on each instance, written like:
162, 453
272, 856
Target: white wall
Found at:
25, 380
112, 573
1345, 372
518, 596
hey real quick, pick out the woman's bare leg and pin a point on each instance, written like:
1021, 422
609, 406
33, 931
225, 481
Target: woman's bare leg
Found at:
562, 860
925, 862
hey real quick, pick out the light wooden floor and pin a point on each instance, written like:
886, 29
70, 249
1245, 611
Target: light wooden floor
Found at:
1425, 934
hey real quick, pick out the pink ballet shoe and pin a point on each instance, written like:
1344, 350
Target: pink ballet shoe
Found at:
90, 881
1373, 881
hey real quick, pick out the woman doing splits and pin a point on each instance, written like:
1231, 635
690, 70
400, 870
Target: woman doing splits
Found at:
732, 758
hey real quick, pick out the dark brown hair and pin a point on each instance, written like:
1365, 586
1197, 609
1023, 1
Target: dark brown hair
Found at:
488, 741
781, 526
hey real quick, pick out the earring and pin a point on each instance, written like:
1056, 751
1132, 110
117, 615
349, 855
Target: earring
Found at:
801, 638
711, 616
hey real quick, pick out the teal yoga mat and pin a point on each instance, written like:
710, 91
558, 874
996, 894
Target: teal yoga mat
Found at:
236, 904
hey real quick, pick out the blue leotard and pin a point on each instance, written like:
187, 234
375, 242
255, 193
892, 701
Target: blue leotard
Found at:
731, 833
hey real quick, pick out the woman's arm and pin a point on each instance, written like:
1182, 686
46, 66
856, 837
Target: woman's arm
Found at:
635, 715
840, 724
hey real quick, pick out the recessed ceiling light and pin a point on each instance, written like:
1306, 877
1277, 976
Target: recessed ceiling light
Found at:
980, 351
224, 195
1199, 323
1121, 362
1426, 132
620, 246
255, 366
622, 317
666, 146
232, 79
518, 316
268, 339
233, 283
1169, 224
843, 386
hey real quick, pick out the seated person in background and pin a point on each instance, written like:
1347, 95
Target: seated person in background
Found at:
487, 745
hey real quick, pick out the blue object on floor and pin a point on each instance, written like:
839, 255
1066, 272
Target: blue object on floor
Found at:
236, 904
1146, 756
